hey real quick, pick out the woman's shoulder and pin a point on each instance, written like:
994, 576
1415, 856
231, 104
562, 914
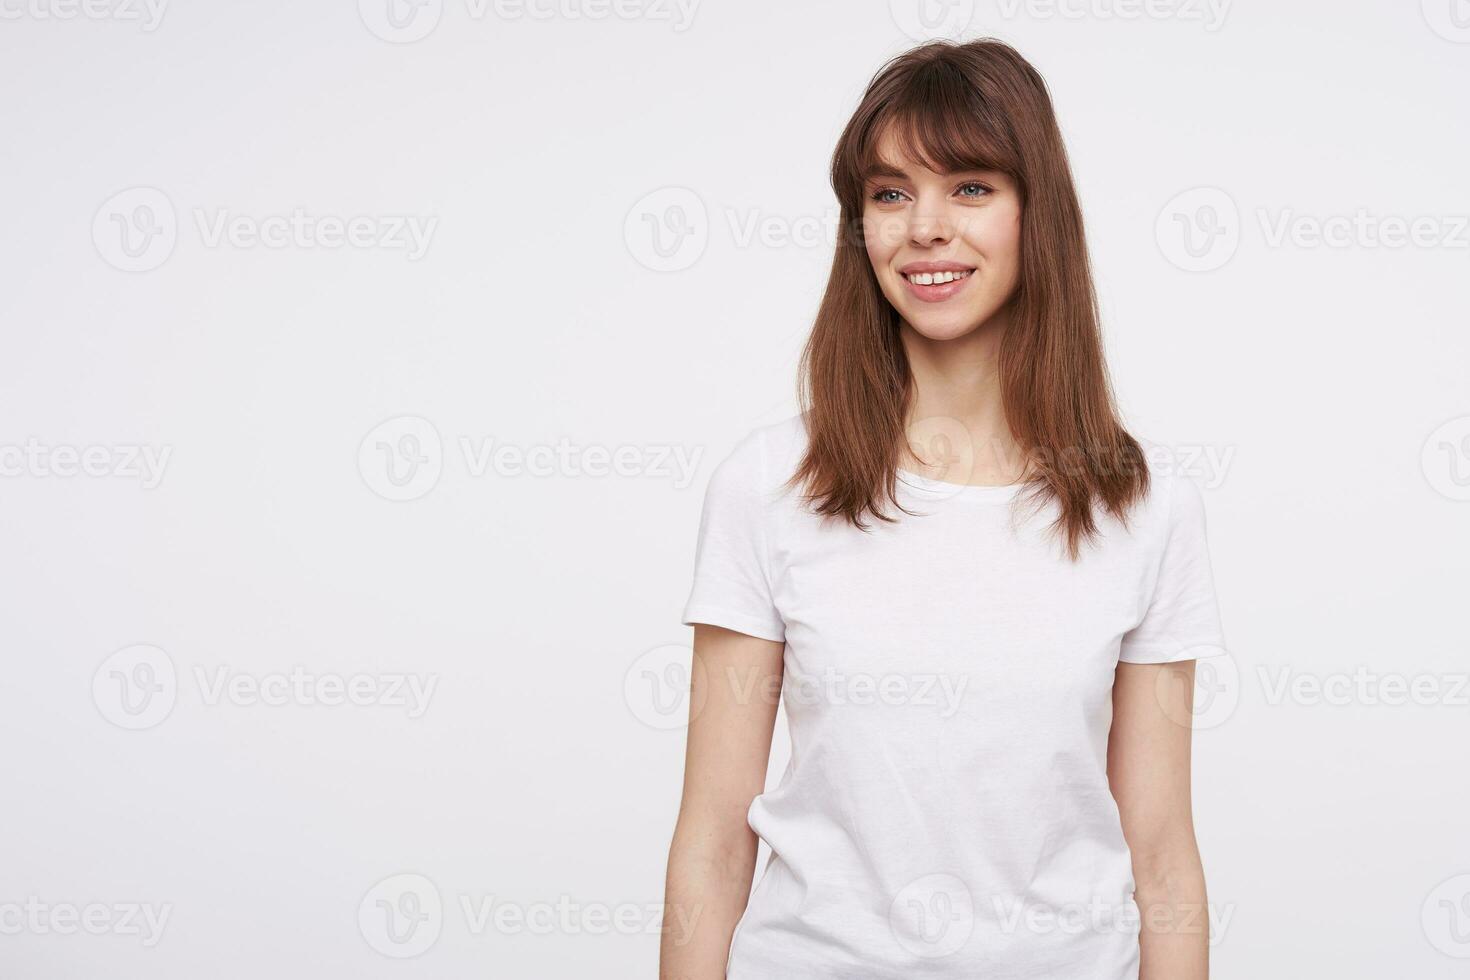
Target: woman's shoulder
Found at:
765, 457
1174, 493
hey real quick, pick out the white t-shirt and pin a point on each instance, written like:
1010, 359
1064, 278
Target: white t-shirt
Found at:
946, 810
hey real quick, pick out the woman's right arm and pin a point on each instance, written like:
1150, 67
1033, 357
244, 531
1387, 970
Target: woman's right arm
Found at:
735, 686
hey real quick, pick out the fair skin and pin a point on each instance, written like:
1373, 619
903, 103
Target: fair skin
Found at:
970, 223
920, 223
712, 856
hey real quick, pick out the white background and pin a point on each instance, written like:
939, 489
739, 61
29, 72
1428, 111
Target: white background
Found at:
1327, 381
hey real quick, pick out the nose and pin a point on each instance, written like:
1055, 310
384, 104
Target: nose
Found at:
929, 226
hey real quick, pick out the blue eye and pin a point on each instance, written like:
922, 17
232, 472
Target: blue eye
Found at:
980, 190
878, 195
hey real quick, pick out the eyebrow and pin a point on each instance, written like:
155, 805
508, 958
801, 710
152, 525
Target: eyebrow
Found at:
884, 170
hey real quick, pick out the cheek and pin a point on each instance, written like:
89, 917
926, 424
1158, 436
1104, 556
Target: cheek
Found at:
877, 238
997, 238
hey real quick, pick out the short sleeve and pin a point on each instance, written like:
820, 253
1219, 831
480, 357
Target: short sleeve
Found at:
732, 580
1182, 620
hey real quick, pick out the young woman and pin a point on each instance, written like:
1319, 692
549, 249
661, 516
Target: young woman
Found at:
980, 597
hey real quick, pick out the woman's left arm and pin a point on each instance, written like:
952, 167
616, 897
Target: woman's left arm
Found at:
1148, 770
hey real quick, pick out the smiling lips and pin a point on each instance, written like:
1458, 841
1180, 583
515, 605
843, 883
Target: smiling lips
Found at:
934, 282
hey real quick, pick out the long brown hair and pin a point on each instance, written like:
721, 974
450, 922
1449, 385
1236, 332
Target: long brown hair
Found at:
977, 105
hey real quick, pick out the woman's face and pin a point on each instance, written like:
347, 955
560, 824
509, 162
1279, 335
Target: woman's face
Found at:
946, 248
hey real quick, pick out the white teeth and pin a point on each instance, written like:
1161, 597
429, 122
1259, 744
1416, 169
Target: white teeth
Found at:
935, 278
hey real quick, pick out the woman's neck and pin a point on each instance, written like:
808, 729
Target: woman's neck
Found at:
956, 426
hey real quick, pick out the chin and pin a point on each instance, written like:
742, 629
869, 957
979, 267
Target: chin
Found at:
934, 325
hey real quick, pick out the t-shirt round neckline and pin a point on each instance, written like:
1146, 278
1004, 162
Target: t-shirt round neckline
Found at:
939, 489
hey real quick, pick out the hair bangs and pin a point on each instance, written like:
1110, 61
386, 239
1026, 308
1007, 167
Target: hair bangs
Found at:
938, 119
